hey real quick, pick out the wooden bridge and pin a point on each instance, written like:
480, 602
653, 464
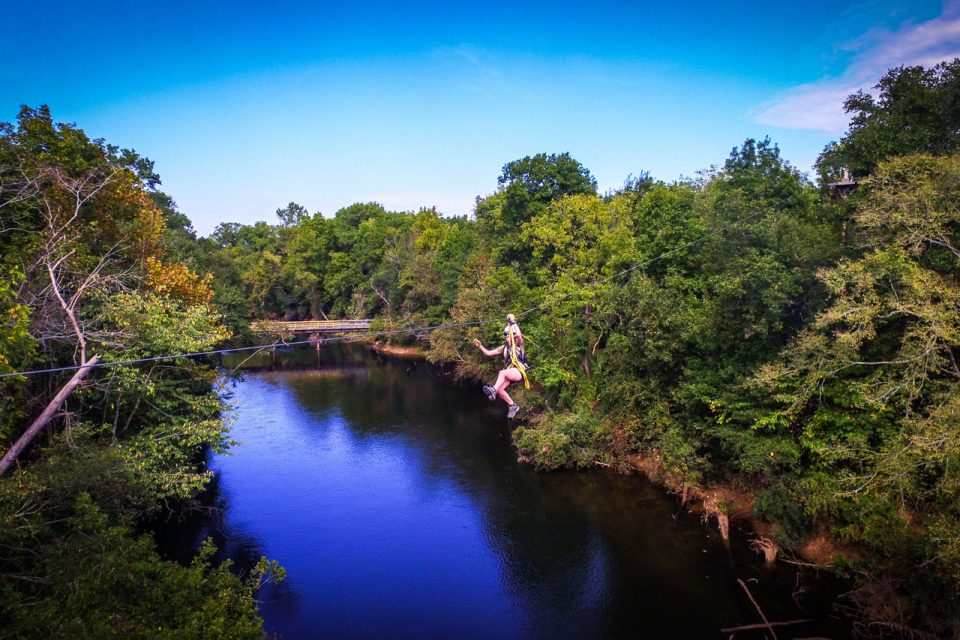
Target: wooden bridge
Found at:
277, 327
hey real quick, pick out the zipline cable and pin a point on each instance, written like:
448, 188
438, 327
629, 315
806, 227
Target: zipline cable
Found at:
413, 330
268, 345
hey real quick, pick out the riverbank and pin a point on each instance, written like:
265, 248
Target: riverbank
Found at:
397, 351
726, 505
723, 505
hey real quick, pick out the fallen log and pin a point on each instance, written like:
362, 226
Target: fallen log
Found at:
763, 616
763, 625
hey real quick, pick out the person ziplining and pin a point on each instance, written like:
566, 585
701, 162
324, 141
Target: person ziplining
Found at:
515, 365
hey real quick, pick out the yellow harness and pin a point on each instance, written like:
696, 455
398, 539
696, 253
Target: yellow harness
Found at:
514, 360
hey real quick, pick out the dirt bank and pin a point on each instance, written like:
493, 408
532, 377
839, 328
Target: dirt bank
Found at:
398, 351
724, 504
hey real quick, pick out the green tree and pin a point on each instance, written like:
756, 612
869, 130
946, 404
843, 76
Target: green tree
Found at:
17, 347
308, 255
292, 215
364, 270
576, 241
534, 181
85, 220
726, 306
869, 388
917, 110
525, 188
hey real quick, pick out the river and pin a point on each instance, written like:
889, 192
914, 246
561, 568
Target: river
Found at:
394, 500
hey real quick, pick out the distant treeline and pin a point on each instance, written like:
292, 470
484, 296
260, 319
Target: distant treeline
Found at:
795, 344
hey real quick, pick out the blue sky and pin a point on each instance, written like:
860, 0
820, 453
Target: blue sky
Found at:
247, 106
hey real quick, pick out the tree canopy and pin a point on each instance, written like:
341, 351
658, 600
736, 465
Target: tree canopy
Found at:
916, 110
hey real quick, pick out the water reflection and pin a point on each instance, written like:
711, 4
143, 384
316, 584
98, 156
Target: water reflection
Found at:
395, 503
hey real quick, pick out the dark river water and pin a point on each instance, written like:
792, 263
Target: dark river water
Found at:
394, 501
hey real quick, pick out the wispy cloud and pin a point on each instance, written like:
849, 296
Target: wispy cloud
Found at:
819, 105
475, 70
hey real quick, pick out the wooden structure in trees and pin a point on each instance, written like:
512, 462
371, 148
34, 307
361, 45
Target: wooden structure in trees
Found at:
842, 188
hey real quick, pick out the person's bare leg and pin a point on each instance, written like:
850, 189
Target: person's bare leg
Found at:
503, 381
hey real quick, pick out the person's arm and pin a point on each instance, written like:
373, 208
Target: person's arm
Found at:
518, 337
488, 352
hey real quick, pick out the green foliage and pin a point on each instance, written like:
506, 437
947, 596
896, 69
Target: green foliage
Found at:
147, 324
16, 350
535, 181
435, 257
74, 567
917, 110
911, 202
526, 187
559, 440
169, 413
869, 387
82, 218
306, 266
755, 455
557, 382
292, 215
98, 580
782, 504
681, 452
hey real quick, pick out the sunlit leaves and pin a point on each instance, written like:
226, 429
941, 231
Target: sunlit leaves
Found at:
913, 203
177, 281
151, 325
16, 348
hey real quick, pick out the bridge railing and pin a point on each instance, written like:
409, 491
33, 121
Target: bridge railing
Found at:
309, 326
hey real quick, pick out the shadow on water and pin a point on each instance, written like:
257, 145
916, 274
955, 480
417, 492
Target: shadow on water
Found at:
394, 500
180, 533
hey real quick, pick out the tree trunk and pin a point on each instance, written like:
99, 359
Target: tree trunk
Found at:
585, 360
46, 416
